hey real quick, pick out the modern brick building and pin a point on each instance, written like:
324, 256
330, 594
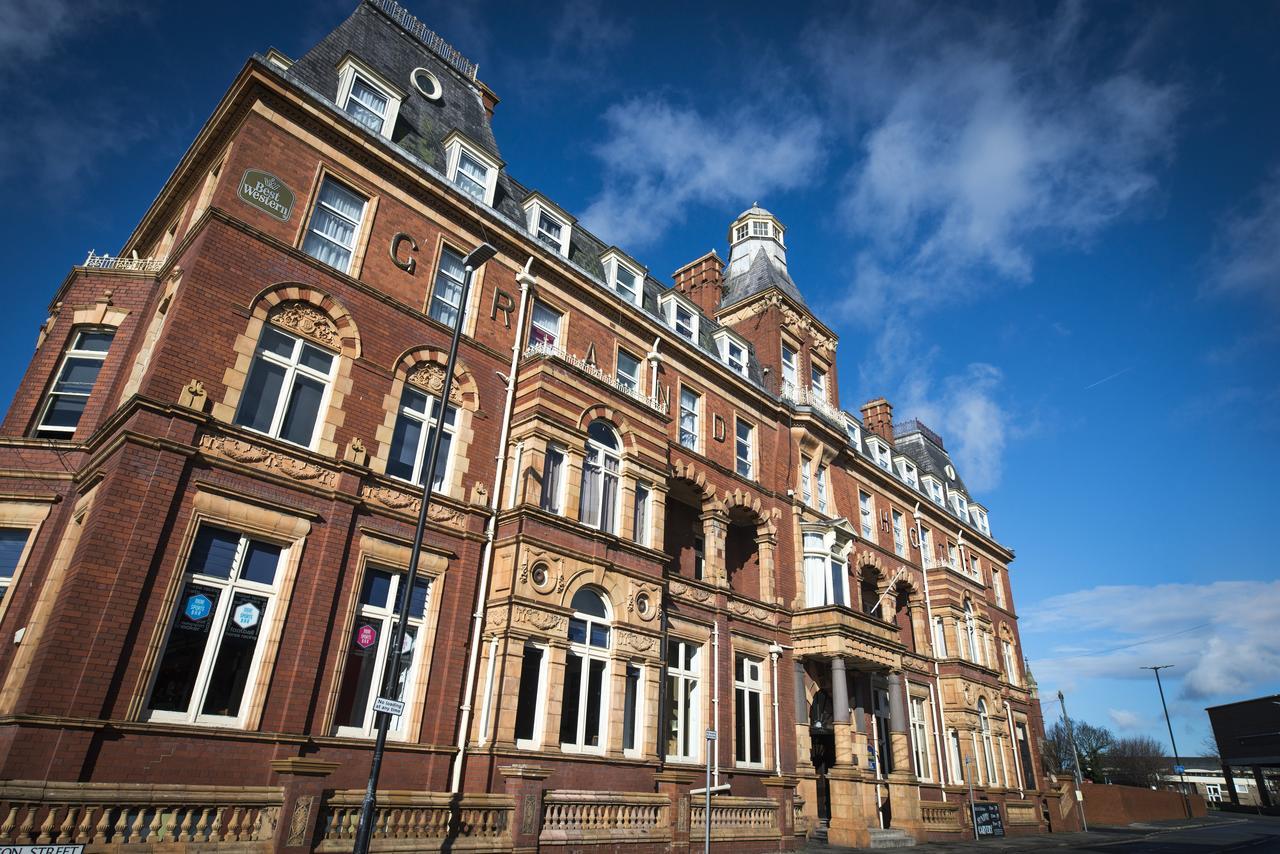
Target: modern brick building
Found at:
654, 518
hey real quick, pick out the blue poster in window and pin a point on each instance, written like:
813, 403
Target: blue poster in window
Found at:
197, 607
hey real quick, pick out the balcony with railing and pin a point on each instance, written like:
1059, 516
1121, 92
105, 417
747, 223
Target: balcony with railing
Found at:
800, 396
122, 264
841, 630
596, 372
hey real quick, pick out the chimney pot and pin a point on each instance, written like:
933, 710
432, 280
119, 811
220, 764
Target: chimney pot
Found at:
877, 416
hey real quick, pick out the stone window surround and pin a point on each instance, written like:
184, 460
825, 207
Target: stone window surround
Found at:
470, 310
100, 314
28, 513
757, 649
360, 245
249, 516
341, 338
464, 396
378, 549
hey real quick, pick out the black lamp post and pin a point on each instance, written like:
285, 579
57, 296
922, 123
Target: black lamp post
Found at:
1186, 802
368, 808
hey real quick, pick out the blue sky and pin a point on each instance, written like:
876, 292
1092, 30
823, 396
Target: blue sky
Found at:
1050, 231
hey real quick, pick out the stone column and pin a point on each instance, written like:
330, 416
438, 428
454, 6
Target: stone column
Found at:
766, 548
675, 785
839, 691
715, 528
525, 786
904, 796
302, 807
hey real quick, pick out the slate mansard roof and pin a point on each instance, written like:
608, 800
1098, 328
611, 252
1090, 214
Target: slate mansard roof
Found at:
758, 278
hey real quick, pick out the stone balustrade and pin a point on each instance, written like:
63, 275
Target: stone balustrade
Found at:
163, 818
420, 821
941, 817
735, 818
575, 817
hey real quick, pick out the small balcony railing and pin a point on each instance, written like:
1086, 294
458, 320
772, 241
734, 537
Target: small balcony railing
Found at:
578, 363
123, 264
801, 396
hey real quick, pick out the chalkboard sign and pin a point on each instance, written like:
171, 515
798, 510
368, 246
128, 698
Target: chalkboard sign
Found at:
986, 817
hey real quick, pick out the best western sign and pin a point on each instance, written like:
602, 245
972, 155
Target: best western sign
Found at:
267, 193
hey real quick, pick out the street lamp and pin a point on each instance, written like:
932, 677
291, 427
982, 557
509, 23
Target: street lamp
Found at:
1177, 762
1075, 755
387, 699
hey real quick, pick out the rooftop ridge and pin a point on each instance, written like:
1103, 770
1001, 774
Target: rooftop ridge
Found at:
429, 37
915, 425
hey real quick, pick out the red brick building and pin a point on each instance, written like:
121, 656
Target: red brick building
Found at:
654, 518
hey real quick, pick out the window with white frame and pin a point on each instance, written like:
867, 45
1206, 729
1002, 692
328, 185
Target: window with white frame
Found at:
633, 709
740, 233
818, 382
446, 296
806, 479
531, 700
584, 704
364, 669
640, 519
907, 470
880, 453
73, 383
680, 317
210, 660
759, 228
927, 556
953, 556
748, 709
820, 484
684, 711
971, 632
335, 225
939, 638
369, 100
997, 586
733, 353
790, 373
744, 448
975, 567
1010, 663
955, 756
287, 387
409, 441
624, 281
600, 467
544, 326
699, 556
13, 542
899, 534
854, 432
933, 487
628, 373
826, 577
690, 402
552, 499
550, 231
920, 729
980, 522
960, 504
550, 228
471, 175
867, 515
988, 752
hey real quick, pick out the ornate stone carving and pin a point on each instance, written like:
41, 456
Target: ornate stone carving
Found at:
309, 322
790, 318
686, 591
745, 609
193, 395
494, 621
430, 377
300, 820
356, 452
396, 499
260, 457
543, 620
637, 642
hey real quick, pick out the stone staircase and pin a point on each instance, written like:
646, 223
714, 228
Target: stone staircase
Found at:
891, 838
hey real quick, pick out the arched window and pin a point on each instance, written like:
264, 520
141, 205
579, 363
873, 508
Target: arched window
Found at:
599, 506
971, 629
988, 753
586, 673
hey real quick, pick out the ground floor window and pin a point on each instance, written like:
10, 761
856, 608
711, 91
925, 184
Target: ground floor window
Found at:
214, 645
530, 703
920, 737
632, 708
682, 716
364, 670
748, 708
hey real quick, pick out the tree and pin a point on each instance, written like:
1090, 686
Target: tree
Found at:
1136, 761
1091, 743
1209, 749
1056, 750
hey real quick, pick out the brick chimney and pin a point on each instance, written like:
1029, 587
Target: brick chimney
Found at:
702, 281
489, 98
877, 416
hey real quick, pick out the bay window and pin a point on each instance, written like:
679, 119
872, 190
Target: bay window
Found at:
600, 469
988, 752
211, 657
364, 671
418, 415
66, 399
826, 579
683, 714
552, 499
287, 387
632, 709
748, 709
583, 708
640, 518
939, 639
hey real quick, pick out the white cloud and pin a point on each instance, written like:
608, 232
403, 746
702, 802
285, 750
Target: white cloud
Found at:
1247, 255
660, 157
964, 407
1128, 721
1221, 636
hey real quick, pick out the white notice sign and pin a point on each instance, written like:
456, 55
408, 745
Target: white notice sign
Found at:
41, 849
391, 707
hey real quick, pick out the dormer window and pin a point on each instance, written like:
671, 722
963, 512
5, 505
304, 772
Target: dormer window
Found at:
980, 521
470, 169
933, 488
367, 98
548, 223
907, 471
880, 453
732, 352
960, 504
680, 317
854, 432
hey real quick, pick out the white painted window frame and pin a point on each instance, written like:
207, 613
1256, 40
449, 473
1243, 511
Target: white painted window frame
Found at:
348, 70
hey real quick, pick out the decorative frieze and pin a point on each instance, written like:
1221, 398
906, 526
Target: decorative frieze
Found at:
266, 459
543, 620
397, 499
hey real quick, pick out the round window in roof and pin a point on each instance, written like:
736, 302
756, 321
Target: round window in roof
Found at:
950, 472
426, 83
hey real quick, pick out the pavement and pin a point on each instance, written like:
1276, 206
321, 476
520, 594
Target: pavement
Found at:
1213, 833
